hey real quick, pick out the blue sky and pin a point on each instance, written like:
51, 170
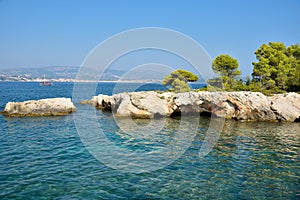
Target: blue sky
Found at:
38, 33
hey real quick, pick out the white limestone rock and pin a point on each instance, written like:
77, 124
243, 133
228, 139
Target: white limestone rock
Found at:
43, 107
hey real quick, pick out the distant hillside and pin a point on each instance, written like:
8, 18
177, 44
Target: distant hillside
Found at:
70, 72
54, 72
50, 72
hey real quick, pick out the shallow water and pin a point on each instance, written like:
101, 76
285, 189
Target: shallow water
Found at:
44, 157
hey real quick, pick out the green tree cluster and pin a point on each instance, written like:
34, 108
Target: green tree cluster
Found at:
177, 80
277, 70
293, 52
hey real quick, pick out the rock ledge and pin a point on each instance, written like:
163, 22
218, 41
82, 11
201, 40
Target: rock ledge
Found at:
244, 106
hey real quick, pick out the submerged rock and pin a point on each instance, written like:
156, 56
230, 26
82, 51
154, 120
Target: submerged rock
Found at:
43, 107
245, 106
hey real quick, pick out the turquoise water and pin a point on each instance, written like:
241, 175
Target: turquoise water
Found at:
44, 158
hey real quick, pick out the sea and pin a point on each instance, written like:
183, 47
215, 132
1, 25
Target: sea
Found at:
51, 157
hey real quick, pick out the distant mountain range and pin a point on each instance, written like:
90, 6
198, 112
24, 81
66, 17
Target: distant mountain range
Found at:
70, 73
35, 72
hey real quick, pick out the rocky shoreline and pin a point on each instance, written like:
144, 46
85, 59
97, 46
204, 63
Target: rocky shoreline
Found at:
243, 106
43, 107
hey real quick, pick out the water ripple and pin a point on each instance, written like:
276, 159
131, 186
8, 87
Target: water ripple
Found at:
44, 158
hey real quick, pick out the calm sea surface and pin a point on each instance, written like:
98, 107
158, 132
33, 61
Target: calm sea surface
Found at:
44, 157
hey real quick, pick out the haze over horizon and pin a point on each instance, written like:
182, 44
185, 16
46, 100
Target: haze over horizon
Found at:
62, 33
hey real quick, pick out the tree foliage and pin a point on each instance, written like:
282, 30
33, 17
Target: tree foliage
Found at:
227, 69
276, 69
293, 53
177, 80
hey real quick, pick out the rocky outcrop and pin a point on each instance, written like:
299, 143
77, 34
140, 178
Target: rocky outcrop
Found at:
43, 107
286, 106
244, 106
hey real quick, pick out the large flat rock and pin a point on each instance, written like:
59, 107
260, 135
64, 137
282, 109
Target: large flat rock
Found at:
43, 107
244, 106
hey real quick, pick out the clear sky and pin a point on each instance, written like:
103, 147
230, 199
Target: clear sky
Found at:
37, 33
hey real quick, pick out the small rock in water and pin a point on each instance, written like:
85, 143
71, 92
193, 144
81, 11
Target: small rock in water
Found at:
43, 107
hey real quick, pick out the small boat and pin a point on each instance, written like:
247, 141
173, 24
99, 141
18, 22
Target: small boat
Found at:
45, 82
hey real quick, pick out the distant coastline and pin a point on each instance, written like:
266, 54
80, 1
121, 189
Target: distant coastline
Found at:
83, 81
73, 80
69, 74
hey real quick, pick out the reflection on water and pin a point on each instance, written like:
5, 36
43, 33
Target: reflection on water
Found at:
250, 160
44, 157
156, 132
